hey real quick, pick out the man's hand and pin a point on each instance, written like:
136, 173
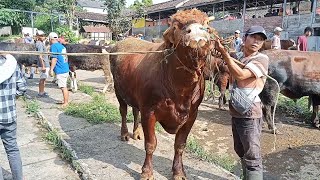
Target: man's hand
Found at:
219, 47
51, 72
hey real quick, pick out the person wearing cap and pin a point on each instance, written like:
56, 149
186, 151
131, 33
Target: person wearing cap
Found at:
275, 40
237, 41
248, 80
303, 40
60, 66
43, 63
12, 84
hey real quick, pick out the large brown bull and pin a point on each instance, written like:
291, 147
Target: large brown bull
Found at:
165, 87
298, 74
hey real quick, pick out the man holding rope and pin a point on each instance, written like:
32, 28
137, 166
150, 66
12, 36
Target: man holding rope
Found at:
245, 105
60, 66
43, 63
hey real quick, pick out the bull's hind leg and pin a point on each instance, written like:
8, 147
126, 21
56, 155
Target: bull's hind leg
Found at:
179, 146
123, 111
137, 131
315, 106
148, 122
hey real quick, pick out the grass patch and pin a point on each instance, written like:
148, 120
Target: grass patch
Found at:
198, 151
86, 89
158, 127
296, 109
54, 139
96, 111
32, 106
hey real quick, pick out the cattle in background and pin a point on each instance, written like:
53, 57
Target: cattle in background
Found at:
285, 44
165, 87
91, 63
25, 59
217, 72
298, 75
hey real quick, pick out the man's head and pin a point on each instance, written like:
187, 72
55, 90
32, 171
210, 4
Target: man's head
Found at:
254, 39
237, 33
278, 30
53, 37
41, 35
308, 31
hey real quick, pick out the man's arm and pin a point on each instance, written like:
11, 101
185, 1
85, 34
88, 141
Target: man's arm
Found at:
53, 59
236, 71
299, 43
21, 83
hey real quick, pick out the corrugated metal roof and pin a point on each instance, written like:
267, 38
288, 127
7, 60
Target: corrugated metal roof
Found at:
96, 29
91, 4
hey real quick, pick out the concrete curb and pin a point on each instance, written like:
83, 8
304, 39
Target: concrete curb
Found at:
78, 165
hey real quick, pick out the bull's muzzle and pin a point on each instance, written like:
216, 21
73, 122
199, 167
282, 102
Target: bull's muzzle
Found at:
197, 36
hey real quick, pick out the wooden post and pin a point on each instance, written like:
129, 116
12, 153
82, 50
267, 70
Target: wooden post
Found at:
51, 21
32, 25
244, 14
223, 9
159, 26
284, 7
314, 11
145, 24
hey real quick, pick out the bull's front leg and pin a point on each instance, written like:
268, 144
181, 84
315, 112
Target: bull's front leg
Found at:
137, 125
148, 122
179, 147
315, 118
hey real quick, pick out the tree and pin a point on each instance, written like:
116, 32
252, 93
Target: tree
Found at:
115, 18
67, 7
140, 7
15, 19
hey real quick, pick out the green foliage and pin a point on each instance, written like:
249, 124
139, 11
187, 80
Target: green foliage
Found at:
296, 109
96, 111
67, 33
43, 22
86, 89
118, 23
197, 150
32, 107
140, 7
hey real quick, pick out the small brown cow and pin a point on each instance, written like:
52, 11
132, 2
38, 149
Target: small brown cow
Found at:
165, 87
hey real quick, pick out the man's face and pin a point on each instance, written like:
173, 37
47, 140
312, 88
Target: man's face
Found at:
308, 33
253, 43
236, 35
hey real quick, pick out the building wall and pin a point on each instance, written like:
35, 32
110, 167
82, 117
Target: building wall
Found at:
5, 31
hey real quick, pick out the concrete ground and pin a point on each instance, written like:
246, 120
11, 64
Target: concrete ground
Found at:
99, 147
39, 159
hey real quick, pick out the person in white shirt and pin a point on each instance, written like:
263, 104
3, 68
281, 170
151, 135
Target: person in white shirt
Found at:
237, 41
276, 44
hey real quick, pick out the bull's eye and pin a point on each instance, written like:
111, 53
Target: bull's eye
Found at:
188, 30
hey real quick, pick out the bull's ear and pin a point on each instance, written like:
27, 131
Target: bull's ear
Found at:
168, 35
212, 18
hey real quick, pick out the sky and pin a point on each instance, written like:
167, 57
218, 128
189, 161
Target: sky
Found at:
129, 2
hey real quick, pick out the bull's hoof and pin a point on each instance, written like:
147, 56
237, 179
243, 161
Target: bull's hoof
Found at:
137, 134
179, 177
146, 177
316, 125
125, 137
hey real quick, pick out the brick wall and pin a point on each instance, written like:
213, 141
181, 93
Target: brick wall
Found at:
227, 27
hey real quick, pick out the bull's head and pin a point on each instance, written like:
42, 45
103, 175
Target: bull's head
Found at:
189, 28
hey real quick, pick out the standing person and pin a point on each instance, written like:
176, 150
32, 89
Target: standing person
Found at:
43, 63
12, 84
275, 40
248, 81
303, 40
60, 66
237, 41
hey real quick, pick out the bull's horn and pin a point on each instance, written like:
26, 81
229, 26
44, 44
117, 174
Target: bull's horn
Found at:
211, 18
